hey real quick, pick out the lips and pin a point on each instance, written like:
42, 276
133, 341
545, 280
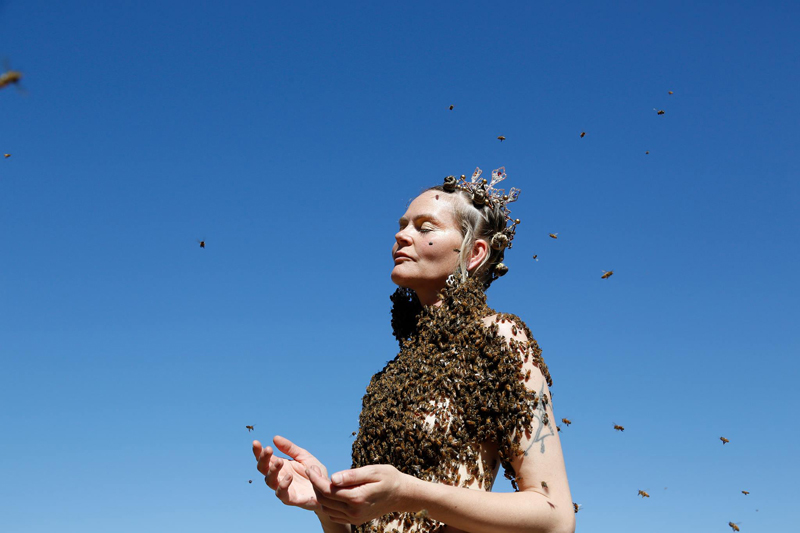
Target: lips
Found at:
400, 255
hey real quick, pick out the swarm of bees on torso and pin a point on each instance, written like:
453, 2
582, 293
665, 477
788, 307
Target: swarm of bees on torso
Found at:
455, 383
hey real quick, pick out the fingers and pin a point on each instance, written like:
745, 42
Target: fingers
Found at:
282, 490
256, 449
323, 491
270, 466
288, 447
355, 476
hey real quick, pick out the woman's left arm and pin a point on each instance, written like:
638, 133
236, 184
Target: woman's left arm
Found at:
358, 495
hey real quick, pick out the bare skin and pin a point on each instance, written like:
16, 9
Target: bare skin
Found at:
424, 256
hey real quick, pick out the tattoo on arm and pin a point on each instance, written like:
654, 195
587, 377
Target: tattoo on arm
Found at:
542, 431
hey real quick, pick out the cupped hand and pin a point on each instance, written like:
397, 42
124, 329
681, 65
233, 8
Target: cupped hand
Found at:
288, 478
359, 495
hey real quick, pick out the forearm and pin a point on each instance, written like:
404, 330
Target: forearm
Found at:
332, 527
476, 511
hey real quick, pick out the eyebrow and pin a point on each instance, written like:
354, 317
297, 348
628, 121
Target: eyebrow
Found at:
426, 216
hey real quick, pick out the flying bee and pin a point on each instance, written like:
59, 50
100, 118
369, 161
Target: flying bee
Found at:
535, 257
745, 492
249, 480
724, 440
658, 111
577, 506
607, 275
566, 421
669, 92
250, 428
646, 152
544, 484
353, 434
502, 138
583, 134
619, 428
643, 494
553, 235
6, 155
733, 526
451, 107
202, 243
9, 77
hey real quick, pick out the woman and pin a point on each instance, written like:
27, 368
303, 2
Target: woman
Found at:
467, 392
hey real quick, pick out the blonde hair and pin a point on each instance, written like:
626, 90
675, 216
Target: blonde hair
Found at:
476, 224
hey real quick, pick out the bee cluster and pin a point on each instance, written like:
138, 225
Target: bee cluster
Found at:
455, 383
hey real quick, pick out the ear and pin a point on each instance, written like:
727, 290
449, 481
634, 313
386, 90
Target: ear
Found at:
479, 252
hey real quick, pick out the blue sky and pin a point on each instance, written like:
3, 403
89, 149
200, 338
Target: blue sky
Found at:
290, 137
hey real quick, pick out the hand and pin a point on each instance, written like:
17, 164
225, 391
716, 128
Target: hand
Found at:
288, 478
357, 496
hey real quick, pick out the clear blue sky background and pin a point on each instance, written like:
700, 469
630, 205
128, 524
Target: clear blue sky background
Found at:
290, 137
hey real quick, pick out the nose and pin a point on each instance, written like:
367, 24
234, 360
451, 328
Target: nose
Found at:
402, 238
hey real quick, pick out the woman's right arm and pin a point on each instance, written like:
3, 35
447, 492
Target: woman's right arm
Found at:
290, 481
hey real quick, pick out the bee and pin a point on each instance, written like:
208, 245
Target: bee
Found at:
423, 513
535, 257
544, 484
9, 77
619, 428
250, 428
502, 138
566, 421
583, 134
733, 526
6, 155
643, 494
558, 427
658, 111
202, 243
553, 235
669, 92
451, 107
745, 492
607, 275
577, 506
249, 480
724, 440
646, 152
353, 434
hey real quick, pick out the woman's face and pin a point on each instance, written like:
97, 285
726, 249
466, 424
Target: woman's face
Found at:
426, 246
